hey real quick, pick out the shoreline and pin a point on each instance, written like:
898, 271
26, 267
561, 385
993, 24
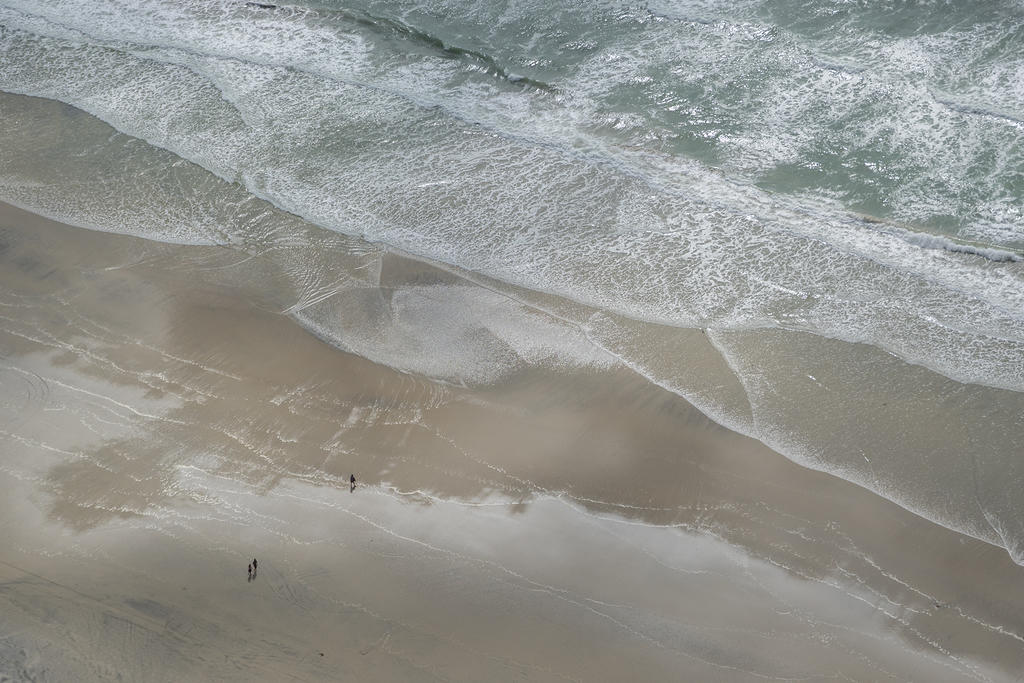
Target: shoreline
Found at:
830, 405
163, 422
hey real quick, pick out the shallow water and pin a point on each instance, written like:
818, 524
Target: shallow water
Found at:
804, 219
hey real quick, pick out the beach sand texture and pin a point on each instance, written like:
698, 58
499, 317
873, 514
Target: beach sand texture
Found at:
162, 423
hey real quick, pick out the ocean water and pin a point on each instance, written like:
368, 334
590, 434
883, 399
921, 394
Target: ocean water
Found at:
804, 217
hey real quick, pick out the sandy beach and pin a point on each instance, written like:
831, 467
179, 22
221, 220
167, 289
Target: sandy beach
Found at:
164, 421
660, 341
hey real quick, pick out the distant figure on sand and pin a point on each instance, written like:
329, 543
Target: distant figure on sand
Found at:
250, 572
351, 483
255, 566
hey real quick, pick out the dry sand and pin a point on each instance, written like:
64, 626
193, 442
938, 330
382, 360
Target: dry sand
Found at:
162, 423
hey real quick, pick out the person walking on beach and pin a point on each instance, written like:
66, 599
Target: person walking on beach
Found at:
255, 566
250, 572
351, 483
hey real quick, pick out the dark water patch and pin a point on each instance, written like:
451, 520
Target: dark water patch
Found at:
393, 29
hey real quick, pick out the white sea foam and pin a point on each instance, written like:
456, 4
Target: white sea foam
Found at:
461, 334
944, 243
572, 245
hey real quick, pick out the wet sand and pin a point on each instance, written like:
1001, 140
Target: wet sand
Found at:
163, 422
